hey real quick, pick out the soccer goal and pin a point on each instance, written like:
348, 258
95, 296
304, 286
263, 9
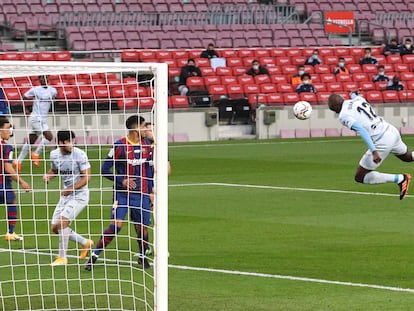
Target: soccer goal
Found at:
94, 101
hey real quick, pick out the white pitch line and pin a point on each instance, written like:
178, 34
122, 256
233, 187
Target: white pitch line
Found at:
286, 188
241, 273
294, 278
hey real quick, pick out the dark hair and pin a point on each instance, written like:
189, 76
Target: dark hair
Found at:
65, 135
134, 120
255, 61
211, 44
190, 60
340, 58
367, 49
3, 121
381, 66
305, 75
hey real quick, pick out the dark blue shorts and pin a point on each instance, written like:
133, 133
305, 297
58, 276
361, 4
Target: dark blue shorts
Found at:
7, 196
139, 205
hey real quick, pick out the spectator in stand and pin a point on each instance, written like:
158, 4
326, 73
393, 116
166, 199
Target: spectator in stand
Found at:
210, 52
407, 48
314, 59
368, 59
306, 85
395, 84
189, 70
257, 69
4, 107
392, 48
381, 75
297, 78
341, 69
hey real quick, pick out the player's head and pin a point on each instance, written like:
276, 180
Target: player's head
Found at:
5, 128
43, 80
65, 140
134, 122
149, 127
335, 102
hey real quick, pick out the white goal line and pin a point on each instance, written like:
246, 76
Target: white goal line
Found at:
241, 273
286, 188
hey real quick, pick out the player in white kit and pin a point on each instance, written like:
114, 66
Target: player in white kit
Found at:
43, 96
381, 138
72, 164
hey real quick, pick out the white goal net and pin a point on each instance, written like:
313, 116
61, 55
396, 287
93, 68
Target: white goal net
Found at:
60, 250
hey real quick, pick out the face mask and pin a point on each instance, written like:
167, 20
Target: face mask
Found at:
407, 46
301, 72
368, 55
255, 67
341, 64
305, 81
381, 73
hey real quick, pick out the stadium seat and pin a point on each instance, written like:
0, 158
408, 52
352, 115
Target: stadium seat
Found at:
207, 71
251, 89
330, 60
350, 86
228, 54
268, 88
246, 53
343, 78
332, 132
290, 98
262, 79
211, 80
323, 69
381, 85
302, 133
238, 71
267, 61
245, 79
275, 99
277, 78
235, 91
406, 96
322, 97
195, 84
283, 60
407, 130
354, 68
327, 78
369, 68
28, 56
398, 67
228, 80
367, 86
390, 96
257, 99
179, 54
347, 132
285, 88
319, 87
223, 71
334, 87
407, 76
408, 59
359, 77
309, 97
217, 91
234, 62
180, 137
145, 103
374, 97
101, 92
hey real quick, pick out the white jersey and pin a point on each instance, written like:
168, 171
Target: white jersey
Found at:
359, 110
69, 166
43, 98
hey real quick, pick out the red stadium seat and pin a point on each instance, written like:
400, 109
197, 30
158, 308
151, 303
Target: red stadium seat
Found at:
246, 53
228, 80
340, 51
323, 69
46, 56
274, 70
251, 89
390, 96
334, 87
406, 96
101, 92
294, 52
327, 78
289, 69
285, 88
283, 61
211, 80
343, 78
163, 54
261, 53
398, 67
257, 99
234, 62
330, 60
177, 54
130, 56
407, 76
381, 59
207, 71
267, 61
260, 79
369, 68
69, 93
235, 91
182, 62
381, 85
291, 98
319, 86
246, 79
195, 53
178, 101
172, 73
278, 79
360, 77
145, 103
394, 59
117, 91
350, 86
168, 61
238, 71
275, 99
195, 84
144, 55
324, 51
28, 56
268, 88
309, 97
137, 91
127, 103
298, 60
409, 84
86, 93
203, 62
374, 97
228, 54
323, 97
367, 86
223, 71
217, 91
11, 56
354, 68
277, 52
357, 52
408, 58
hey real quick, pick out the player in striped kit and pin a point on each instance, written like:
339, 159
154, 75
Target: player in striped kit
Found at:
129, 157
72, 164
381, 138
43, 96
7, 195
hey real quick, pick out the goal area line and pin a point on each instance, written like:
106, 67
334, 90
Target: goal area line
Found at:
241, 273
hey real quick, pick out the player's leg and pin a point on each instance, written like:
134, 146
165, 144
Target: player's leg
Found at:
11, 214
141, 216
25, 150
60, 226
46, 139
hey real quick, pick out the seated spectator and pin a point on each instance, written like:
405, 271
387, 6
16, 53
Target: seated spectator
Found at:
392, 48
368, 59
341, 69
189, 70
381, 75
297, 78
257, 69
306, 85
395, 84
407, 48
210, 52
314, 59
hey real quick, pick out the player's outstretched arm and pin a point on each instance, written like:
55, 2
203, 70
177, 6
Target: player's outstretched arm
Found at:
8, 168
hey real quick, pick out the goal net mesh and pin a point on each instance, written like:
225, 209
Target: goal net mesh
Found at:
93, 100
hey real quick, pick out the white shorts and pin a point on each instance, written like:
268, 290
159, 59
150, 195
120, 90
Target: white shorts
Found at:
70, 206
38, 126
389, 142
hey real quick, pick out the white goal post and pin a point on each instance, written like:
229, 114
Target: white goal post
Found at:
90, 116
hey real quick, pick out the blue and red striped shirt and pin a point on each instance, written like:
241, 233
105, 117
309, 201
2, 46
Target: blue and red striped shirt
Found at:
6, 152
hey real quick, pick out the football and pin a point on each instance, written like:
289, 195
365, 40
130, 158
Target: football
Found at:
302, 110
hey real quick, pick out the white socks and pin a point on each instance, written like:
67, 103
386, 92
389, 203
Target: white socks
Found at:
73, 236
381, 178
24, 152
44, 142
63, 242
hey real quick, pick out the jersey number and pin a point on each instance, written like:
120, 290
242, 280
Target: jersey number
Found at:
367, 110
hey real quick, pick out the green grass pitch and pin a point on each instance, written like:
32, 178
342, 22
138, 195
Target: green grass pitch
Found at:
253, 225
